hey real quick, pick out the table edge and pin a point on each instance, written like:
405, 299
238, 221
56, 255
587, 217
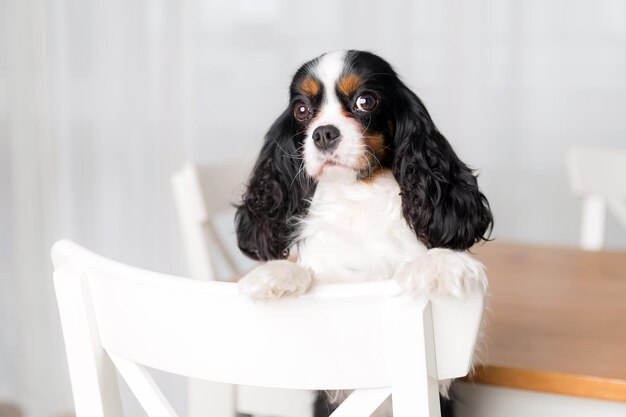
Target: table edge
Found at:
583, 386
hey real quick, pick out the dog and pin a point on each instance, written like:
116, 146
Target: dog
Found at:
354, 182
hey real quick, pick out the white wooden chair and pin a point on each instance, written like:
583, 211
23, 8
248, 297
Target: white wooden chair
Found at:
598, 175
343, 336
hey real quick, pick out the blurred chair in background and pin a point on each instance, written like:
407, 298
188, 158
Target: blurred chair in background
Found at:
598, 175
205, 197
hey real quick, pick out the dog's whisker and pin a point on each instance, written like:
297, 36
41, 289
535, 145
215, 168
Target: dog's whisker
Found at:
287, 154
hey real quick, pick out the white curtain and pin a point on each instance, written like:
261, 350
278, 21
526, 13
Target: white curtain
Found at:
101, 101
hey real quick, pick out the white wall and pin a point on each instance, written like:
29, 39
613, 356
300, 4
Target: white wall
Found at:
101, 101
512, 84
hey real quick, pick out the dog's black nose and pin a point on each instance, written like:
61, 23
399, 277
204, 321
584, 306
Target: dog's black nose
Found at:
325, 137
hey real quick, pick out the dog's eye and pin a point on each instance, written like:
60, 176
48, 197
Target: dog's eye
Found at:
301, 111
366, 102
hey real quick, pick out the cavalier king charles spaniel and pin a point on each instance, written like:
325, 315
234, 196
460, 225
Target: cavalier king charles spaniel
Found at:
355, 183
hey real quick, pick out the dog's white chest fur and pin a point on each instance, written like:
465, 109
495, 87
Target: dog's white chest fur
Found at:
354, 231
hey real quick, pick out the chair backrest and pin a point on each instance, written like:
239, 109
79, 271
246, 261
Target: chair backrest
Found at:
205, 197
598, 175
340, 336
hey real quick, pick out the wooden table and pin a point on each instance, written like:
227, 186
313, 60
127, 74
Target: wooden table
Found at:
557, 320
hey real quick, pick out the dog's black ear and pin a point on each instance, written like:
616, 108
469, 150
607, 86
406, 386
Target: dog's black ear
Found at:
277, 193
440, 196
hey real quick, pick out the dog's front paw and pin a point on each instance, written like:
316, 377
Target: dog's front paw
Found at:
276, 279
442, 271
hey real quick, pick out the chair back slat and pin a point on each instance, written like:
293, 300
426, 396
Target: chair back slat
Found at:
597, 171
200, 330
223, 183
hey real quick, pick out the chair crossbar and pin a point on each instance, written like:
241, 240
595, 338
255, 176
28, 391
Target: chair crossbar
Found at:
362, 402
143, 386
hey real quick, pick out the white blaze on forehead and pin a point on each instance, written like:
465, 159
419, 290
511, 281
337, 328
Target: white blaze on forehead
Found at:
328, 70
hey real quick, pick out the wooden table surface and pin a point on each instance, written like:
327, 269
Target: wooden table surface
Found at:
557, 320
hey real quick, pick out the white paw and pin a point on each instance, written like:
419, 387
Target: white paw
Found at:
442, 271
276, 279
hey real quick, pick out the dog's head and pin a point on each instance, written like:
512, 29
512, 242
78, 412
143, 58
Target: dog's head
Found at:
350, 116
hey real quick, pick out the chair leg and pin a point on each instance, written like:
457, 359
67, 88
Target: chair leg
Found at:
416, 388
422, 399
593, 223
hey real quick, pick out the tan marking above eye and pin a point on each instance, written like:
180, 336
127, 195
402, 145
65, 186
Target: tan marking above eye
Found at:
348, 84
310, 87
